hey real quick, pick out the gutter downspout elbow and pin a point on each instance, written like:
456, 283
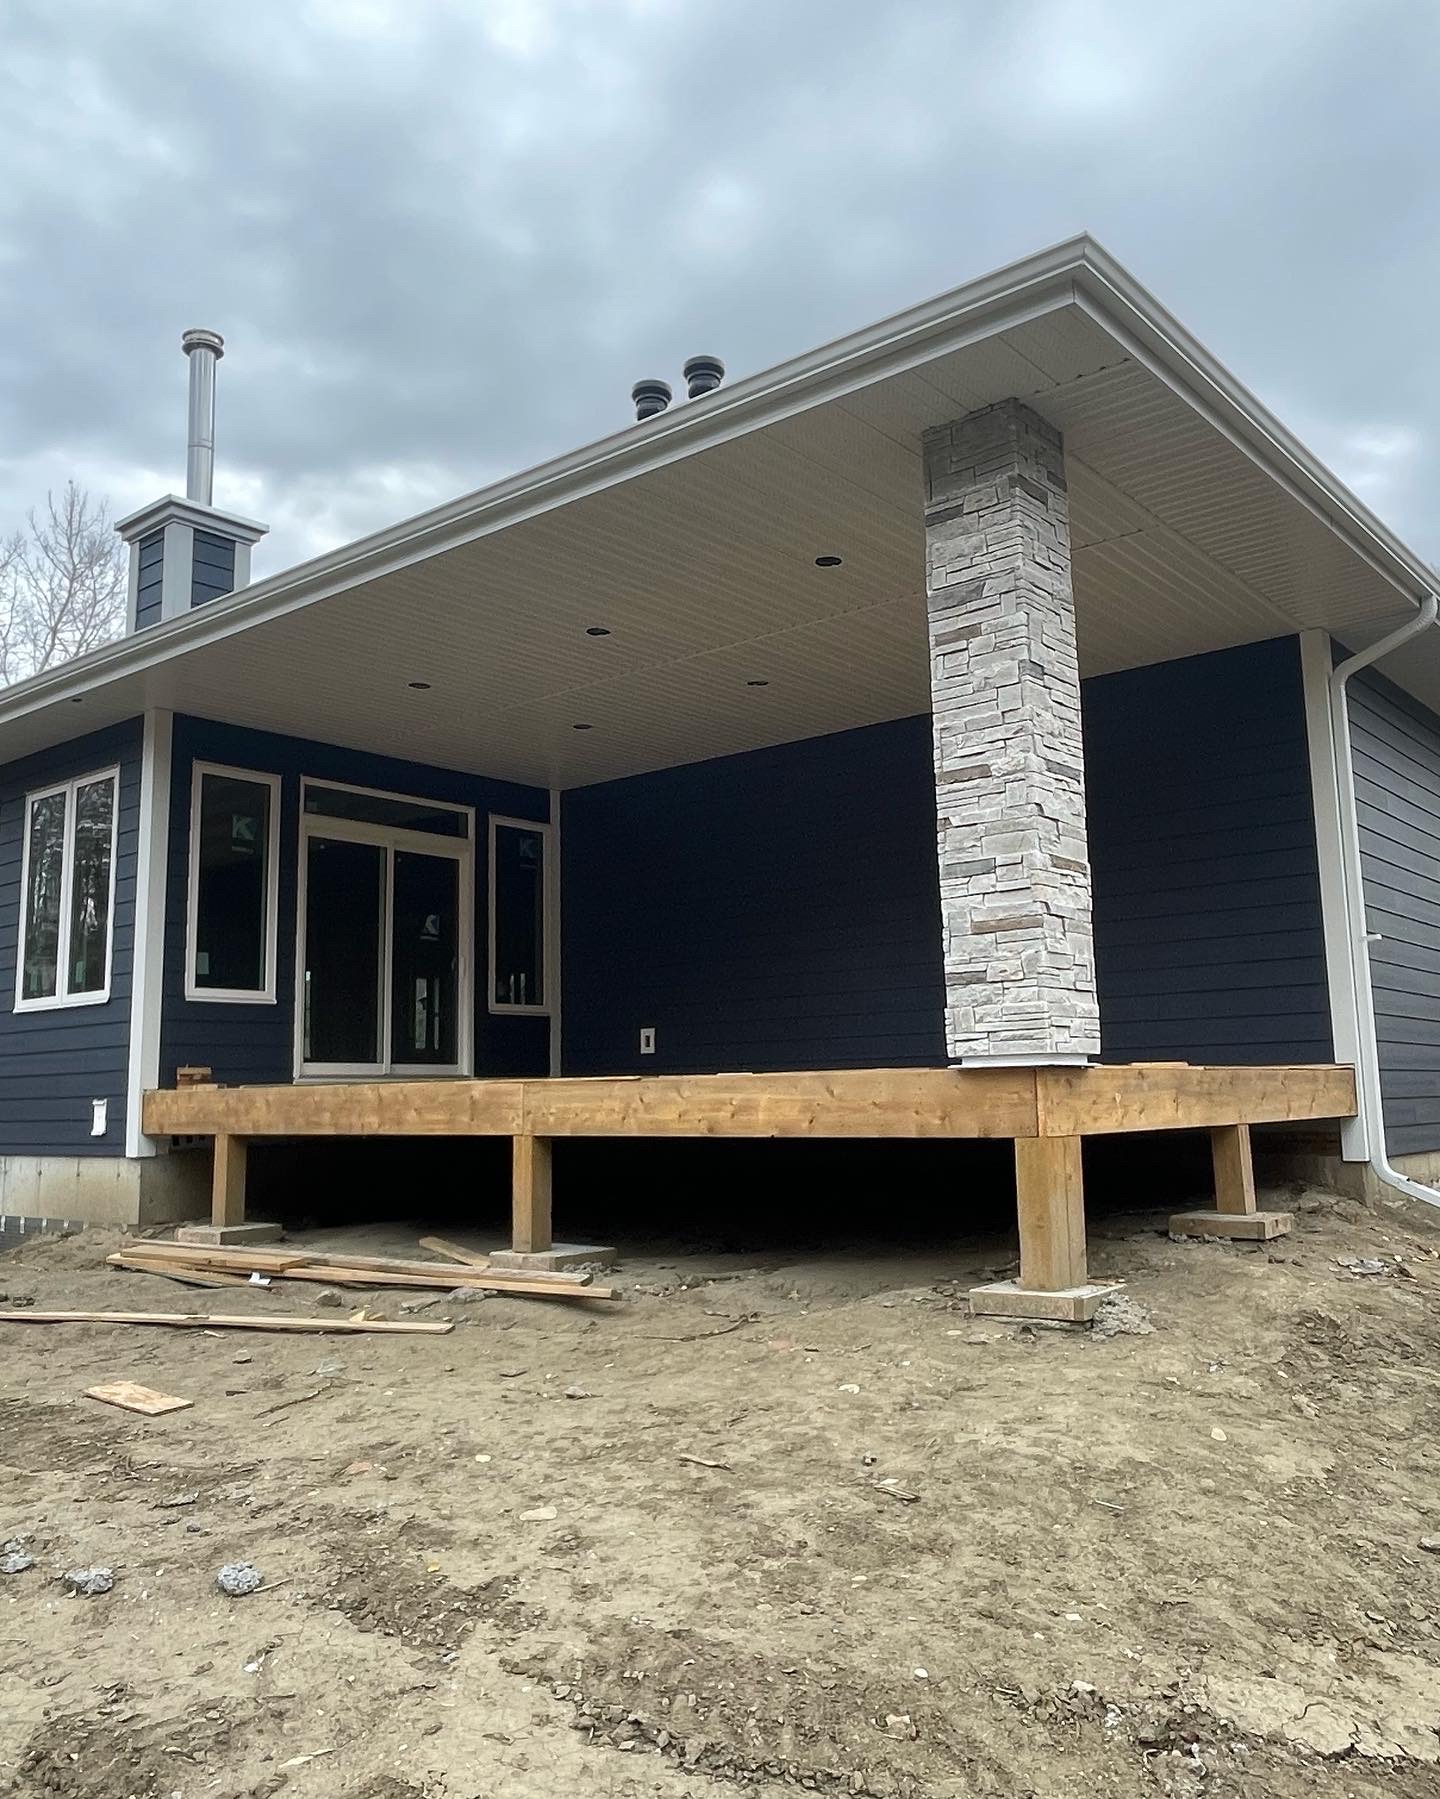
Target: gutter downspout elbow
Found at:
1358, 936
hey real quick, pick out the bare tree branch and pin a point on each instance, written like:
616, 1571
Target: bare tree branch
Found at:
62, 585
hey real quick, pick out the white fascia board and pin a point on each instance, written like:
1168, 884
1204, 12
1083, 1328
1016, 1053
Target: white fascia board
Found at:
1077, 272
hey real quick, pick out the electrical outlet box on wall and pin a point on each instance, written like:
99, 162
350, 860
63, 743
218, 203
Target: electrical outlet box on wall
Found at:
647, 1040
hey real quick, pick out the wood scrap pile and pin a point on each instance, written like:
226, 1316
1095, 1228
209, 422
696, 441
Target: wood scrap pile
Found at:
207, 1266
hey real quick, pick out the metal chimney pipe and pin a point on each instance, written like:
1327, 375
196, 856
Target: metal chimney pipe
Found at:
204, 349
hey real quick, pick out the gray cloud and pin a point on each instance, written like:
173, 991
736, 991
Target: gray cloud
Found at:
443, 238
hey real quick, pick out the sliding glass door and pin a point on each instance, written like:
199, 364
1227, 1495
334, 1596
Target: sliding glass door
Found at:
385, 923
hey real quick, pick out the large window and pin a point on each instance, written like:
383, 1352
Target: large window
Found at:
234, 838
68, 890
519, 907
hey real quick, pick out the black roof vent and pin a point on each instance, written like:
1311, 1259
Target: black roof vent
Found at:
703, 374
650, 397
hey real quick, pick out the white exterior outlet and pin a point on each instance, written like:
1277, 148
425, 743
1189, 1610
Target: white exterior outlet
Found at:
647, 1040
99, 1113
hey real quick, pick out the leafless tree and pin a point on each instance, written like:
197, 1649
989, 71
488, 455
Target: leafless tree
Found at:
62, 585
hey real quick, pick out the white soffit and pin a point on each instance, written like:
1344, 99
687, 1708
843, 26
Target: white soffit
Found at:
703, 572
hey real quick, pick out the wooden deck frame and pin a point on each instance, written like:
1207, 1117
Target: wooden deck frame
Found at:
1047, 1112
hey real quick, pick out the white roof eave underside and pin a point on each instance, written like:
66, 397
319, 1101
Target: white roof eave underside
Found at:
1197, 523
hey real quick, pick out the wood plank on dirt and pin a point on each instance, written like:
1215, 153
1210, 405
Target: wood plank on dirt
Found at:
230, 1321
130, 1396
455, 1252
434, 1279
261, 1259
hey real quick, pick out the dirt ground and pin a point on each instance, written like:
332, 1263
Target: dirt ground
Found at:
766, 1523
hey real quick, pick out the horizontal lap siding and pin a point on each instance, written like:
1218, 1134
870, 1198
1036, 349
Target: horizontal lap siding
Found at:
768, 911
53, 1064
245, 1043
1208, 938
1395, 747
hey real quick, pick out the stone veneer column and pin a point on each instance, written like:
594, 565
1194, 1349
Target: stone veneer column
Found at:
1009, 765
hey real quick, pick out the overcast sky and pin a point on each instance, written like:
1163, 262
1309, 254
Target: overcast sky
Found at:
443, 237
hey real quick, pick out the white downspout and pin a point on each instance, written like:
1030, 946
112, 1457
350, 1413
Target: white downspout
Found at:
1357, 934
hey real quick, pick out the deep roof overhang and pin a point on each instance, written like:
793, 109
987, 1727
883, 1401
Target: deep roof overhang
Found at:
1199, 522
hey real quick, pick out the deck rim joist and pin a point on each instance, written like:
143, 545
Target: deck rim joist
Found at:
999, 1102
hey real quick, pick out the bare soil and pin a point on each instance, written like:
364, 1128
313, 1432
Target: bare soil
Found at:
767, 1524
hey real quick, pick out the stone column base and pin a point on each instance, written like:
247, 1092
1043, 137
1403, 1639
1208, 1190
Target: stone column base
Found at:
1066, 1305
1244, 1227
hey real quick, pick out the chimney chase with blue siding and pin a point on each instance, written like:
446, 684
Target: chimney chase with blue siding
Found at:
184, 552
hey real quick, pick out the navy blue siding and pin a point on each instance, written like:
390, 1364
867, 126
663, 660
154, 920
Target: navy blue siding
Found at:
213, 569
151, 555
780, 909
773, 910
1395, 748
54, 1063
1208, 938
257, 1043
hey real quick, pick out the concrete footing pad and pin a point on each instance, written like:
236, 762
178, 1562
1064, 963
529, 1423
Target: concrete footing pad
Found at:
558, 1256
1244, 1227
1008, 1299
227, 1236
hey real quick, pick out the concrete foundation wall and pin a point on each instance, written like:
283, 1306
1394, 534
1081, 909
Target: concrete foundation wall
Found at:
106, 1189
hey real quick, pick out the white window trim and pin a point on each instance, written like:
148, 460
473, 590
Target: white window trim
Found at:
390, 838
385, 793
61, 1000
547, 932
233, 996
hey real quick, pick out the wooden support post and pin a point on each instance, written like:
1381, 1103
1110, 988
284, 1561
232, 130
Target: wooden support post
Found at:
1234, 1169
1235, 1213
227, 1204
530, 1195
1050, 1197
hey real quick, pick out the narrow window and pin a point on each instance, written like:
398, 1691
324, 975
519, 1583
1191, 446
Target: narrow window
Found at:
518, 902
69, 889
233, 828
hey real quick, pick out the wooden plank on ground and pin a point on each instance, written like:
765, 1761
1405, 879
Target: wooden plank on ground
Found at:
261, 1260
1086, 1102
442, 1246
443, 1108
131, 1397
435, 1279
230, 1321
867, 1102
1050, 1201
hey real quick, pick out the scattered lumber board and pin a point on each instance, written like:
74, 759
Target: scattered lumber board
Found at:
265, 1260
442, 1246
130, 1396
345, 1271
228, 1321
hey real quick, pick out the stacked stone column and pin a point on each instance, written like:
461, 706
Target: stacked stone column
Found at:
1009, 763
